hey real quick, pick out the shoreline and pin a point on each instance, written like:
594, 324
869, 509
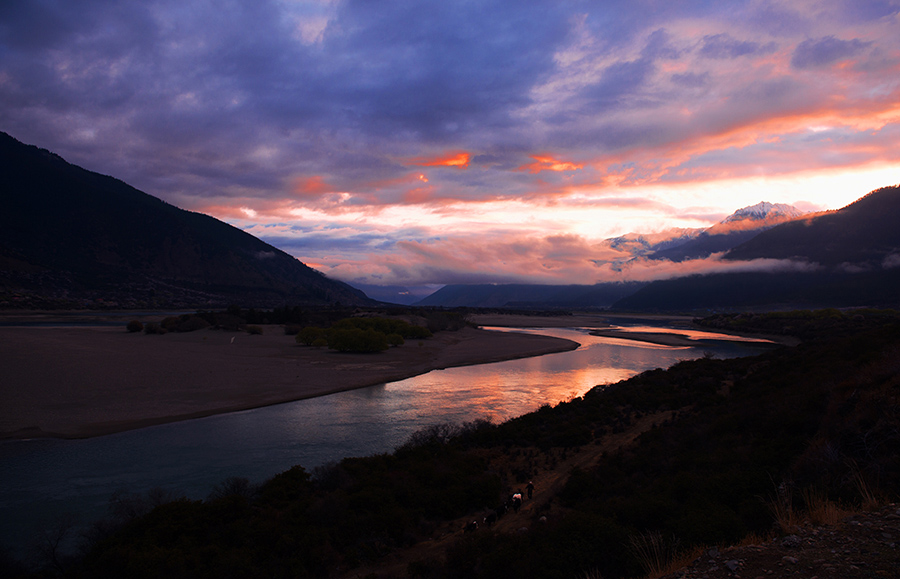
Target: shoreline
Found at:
86, 381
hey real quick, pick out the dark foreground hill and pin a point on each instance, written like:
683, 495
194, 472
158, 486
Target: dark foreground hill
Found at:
70, 237
704, 454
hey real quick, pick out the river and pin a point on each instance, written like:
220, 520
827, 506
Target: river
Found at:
48, 480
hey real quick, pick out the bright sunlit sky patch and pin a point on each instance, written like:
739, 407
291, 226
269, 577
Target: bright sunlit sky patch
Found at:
420, 142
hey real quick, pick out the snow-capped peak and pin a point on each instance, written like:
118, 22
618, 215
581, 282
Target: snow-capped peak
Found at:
763, 211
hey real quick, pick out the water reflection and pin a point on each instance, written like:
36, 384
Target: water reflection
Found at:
43, 478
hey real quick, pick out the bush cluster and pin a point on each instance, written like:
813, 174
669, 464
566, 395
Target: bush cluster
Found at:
362, 334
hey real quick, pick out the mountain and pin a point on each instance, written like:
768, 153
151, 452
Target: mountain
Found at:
631, 245
71, 237
844, 258
739, 227
530, 295
672, 244
396, 294
861, 236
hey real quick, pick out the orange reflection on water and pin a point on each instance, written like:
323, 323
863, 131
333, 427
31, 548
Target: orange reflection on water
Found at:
504, 390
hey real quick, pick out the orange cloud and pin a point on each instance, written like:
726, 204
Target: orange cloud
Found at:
312, 186
418, 195
459, 159
547, 163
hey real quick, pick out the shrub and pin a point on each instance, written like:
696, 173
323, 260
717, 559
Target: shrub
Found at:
254, 330
309, 335
357, 340
134, 326
191, 323
154, 328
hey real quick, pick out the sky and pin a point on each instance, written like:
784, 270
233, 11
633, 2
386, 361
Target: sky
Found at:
421, 143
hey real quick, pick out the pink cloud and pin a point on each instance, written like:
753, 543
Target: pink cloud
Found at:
312, 186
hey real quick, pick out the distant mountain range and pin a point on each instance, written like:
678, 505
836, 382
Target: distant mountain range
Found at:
674, 245
73, 238
532, 296
783, 260
739, 227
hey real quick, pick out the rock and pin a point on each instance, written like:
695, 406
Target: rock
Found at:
791, 542
791, 560
732, 565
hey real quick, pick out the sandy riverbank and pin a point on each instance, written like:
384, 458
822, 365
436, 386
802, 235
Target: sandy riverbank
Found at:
77, 382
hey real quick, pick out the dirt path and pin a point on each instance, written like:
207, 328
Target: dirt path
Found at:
548, 484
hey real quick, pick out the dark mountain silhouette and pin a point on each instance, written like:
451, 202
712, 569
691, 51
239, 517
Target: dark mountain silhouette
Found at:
69, 236
844, 258
530, 295
860, 236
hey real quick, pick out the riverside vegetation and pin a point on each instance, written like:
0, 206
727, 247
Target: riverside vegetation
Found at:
338, 328
709, 452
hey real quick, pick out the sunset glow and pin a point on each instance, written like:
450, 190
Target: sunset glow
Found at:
486, 143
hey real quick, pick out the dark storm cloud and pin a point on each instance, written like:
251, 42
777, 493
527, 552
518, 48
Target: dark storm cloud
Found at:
202, 83
443, 70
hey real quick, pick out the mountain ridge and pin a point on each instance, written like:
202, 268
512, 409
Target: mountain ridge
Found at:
73, 237
849, 257
672, 244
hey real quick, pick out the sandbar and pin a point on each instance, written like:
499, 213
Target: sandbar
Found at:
79, 382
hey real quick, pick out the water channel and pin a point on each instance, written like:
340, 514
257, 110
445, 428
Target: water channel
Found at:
45, 480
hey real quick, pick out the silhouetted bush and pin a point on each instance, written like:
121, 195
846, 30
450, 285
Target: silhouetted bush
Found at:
233, 487
357, 340
134, 326
191, 323
154, 328
254, 330
309, 335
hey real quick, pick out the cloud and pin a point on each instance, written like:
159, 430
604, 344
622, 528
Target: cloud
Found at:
891, 261
548, 163
458, 159
825, 51
724, 46
458, 117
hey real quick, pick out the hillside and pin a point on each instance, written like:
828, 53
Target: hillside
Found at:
844, 258
862, 236
705, 454
72, 238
